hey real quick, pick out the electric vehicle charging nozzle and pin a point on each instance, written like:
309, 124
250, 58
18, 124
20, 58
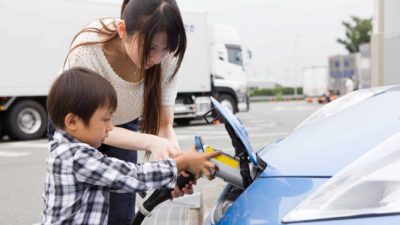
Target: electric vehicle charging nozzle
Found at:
228, 166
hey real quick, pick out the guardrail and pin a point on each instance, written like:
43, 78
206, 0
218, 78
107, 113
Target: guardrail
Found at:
276, 98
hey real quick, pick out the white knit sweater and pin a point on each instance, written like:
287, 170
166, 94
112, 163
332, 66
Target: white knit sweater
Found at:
130, 95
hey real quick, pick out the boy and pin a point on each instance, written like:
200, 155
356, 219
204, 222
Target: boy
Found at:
79, 178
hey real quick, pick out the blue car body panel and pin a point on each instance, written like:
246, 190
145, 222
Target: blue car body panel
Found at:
267, 200
327, 146
308, 156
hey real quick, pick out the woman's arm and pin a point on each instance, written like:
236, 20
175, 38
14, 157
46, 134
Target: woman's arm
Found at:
166, 126
167, 131
123, 138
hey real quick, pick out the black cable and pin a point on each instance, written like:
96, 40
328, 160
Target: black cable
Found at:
160, 195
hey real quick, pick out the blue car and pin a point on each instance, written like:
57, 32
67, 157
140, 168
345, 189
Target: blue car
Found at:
340, 166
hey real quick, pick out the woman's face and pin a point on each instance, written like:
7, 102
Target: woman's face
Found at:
158, 49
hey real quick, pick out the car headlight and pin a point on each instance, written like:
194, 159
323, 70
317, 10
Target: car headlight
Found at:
368, 186
226, 199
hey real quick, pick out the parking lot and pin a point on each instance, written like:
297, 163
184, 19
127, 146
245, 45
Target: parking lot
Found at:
22, 164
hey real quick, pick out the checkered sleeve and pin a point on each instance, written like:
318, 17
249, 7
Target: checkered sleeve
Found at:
90, 166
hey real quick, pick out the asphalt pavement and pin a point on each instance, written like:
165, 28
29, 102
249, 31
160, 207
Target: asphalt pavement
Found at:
22, 165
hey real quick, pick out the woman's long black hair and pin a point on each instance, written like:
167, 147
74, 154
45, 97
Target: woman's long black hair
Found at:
148, 18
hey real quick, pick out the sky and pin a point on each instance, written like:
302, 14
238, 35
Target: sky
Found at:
285, 36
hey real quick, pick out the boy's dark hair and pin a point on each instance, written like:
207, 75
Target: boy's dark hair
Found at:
79, 91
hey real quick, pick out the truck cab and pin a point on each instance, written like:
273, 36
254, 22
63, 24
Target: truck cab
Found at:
213, 66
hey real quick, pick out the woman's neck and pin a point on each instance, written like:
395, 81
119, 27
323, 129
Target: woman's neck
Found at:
119, 60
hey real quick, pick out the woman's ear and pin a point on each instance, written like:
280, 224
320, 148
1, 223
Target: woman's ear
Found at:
121, 29
71, 121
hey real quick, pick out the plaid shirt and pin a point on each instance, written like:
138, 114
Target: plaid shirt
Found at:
79, 179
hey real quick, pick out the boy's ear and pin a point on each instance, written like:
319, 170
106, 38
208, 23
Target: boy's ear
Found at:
71, 121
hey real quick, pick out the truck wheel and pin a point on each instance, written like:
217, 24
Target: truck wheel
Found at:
26, 120
228, 102
183, 121
1, 128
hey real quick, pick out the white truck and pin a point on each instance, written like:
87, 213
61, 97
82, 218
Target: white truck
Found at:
213, 66
36, 35
315, 81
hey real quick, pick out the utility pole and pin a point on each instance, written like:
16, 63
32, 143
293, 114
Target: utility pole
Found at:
377, 39
295, 69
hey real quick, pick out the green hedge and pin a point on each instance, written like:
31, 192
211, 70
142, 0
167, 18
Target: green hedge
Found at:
277, 91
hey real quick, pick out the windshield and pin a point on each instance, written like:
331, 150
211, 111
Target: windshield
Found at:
342, 103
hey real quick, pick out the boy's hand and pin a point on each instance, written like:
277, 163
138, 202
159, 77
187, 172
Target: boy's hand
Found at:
207, 173
202, 165
196, 162
209, 165
188, 189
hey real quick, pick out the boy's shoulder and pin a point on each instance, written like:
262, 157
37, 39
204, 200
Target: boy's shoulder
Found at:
64, 143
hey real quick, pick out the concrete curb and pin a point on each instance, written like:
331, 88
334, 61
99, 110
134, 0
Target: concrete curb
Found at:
193, 217
209, 195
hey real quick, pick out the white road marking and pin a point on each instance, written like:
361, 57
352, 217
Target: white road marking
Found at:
250, 124
297, 108
24, 144
14, 154
205, 127
215, 137
203, 131
261, 123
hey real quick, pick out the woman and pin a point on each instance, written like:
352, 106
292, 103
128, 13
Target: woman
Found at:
139, 55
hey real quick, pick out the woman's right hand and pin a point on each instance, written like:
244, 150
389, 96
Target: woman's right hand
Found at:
162, 148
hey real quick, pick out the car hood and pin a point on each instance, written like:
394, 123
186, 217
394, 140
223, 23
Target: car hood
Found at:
268, 200
322, 148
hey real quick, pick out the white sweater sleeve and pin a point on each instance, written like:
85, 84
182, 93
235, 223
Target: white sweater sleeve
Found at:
169, 84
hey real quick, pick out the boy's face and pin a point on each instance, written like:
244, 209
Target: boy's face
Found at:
96, 132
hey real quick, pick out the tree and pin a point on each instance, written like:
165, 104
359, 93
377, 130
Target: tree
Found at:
358, 32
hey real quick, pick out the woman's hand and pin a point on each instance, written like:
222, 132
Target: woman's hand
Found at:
162, 148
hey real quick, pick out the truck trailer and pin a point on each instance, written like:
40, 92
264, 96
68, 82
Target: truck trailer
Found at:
37, 38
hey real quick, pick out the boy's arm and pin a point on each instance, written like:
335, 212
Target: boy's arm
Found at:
91, 167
